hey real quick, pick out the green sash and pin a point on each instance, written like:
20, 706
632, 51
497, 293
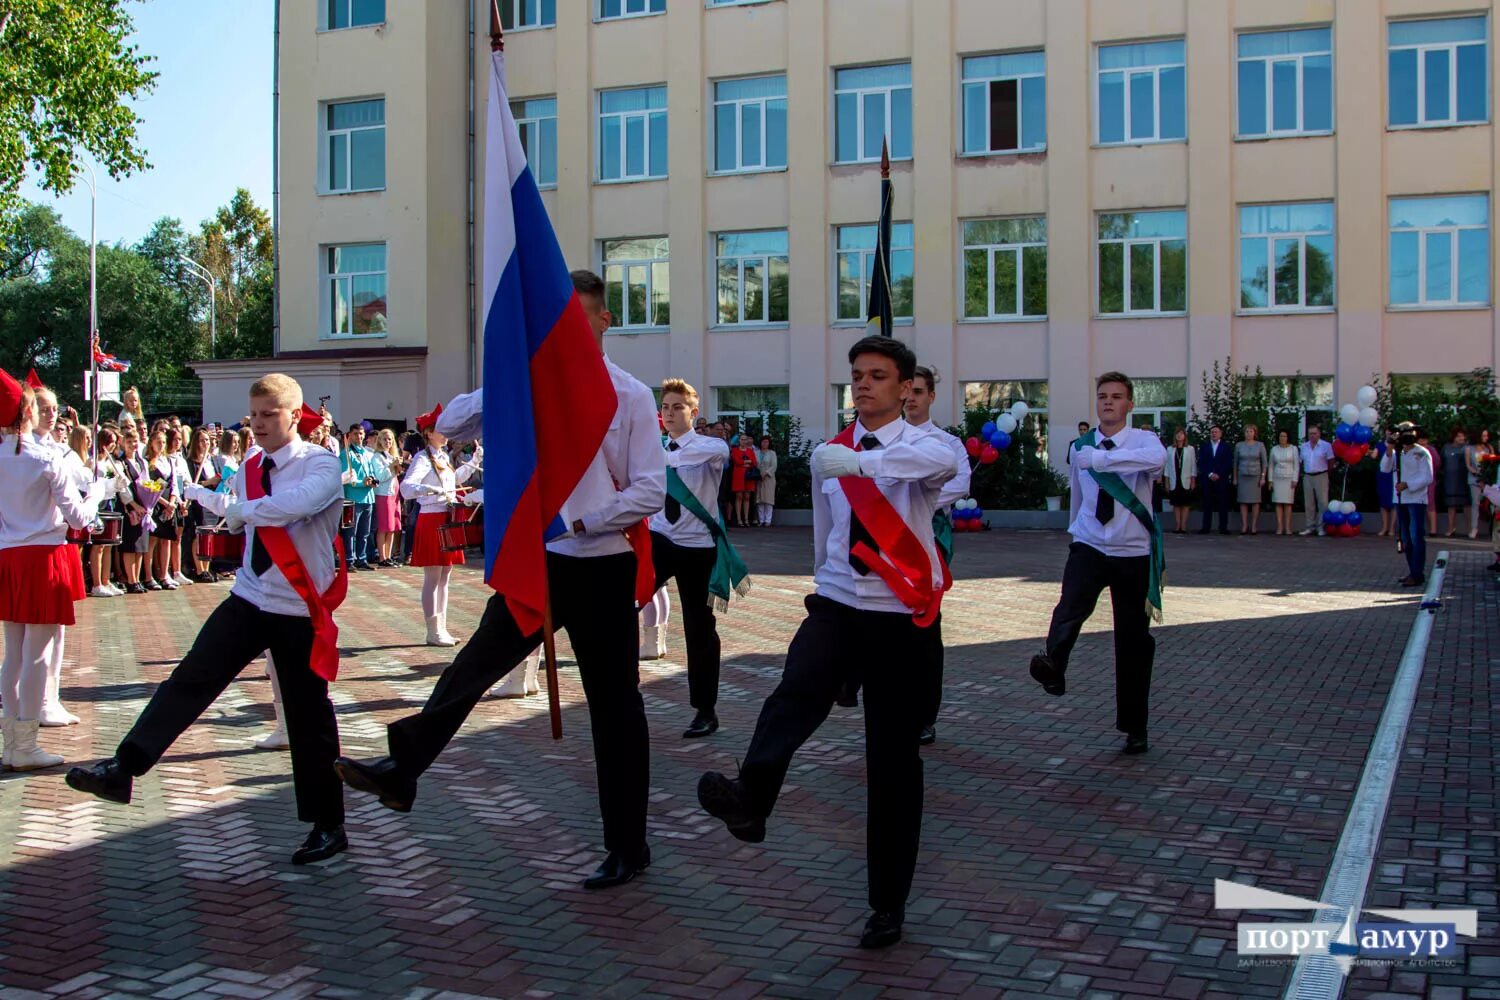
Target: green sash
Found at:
730, 575
1112, 484
942, 534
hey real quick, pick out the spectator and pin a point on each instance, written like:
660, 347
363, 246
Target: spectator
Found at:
1215, 467
164, 513
1432, 485
1083, 428
746, 476
108, 468
388, 466
359, 488
1455, 477
135, 503
1180, 476
227, 459
247, 440
1385, 484
203, 469
1250, 477
765, 490
130, 404
1285, 471
411, 443
176, 440
1411, 462
1316, 457
700, 426
1473, 461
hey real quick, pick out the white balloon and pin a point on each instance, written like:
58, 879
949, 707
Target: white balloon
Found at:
1347, 507
1366, 396
1006, 423
1019, 410
965, 504
1349, 414
1369, 417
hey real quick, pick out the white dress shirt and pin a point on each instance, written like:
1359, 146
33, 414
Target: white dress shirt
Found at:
1412, 466
699, 461
910, 468
39, 500
1137, 459
956, 488
1315, 458
432, 488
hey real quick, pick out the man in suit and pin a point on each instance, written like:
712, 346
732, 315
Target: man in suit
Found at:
1215, 467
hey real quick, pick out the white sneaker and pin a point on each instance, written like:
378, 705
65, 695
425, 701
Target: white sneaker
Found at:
103, 592
119, 590
167, 584
182, 580
276, 739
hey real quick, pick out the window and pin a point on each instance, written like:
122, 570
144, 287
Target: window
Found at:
537, 122
1143, 262
637, 290
1286, 256
1440, 251
1005, 268
996, 397
1286, 82
356, 290
750, 124
1292, 402
611, 9
1005, 103
633, 134
753, 277
527, 14
352, 13
1142, 92
872, 104
854, 252
1160, 403
844, 412
1438, 73
745, 408
355, 146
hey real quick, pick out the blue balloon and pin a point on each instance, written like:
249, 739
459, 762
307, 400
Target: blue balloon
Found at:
1362, 434
1355, 518
1344, 432
1334, 517
1000, 440
988, 430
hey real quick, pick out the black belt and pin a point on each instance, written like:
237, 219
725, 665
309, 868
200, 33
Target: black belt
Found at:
1321, 472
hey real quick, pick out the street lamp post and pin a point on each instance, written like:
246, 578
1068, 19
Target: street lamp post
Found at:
93, 182
202, 273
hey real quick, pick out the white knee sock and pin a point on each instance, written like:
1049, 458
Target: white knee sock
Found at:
54, 670
10, 671
25, 682
430, 577
658, 611
440, 597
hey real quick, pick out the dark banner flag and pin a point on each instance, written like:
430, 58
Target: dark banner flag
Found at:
880, 319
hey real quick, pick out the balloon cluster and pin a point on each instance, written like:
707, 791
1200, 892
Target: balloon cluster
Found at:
995, 436
967, 516
1341, 519
1356, 427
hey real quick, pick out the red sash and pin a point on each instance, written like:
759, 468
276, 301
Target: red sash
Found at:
909, 570
639, 537
320, 607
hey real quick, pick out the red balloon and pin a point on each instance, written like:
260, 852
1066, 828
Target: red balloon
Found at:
1351, 530
972, 447
987, 455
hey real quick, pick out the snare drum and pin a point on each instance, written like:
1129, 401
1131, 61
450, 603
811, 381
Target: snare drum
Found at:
465, 529
218, 542
111, 529
348, 516
78, 536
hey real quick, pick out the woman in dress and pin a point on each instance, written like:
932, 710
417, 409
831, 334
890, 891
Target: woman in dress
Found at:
741, 461
1479, 448
108, 469
203, 470
1286, 470
1385, 486
433, 483
1435, 487
186, 531
1250, 477
387, 471
135, 533
1455, 477
1180, 477
161, 472
765, 490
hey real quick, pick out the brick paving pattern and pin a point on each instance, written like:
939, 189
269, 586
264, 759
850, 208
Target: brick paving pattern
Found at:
1050, 865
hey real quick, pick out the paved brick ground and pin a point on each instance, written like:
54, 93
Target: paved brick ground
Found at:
1051, 866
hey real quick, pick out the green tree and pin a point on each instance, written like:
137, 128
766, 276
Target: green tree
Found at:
236, 247
35, 229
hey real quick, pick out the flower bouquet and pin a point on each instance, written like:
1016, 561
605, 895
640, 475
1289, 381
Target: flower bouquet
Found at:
148, 491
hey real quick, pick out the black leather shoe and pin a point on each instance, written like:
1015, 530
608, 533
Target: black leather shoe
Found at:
105, 779
928, 737
704, 724
727, 800
618, 869
883, 929
321, 845
380, 778
848, 696
1135, 743
1047, 675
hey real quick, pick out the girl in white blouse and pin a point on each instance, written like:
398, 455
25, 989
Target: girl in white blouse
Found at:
433, 483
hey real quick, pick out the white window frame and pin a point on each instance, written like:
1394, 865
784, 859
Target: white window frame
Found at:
859, 113
324, 25
739, 126
1423, 302
1270, 240
533, 148
864, 288
325, 151
1155, 243
1020, 78
622, 323
327, 298
1272, 132
600, 115
1154, 71
765, 261
1452, 49
517, 7
742, 418
1019, 316
600, 16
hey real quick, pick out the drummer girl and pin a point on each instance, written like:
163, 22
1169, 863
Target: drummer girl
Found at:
432, 482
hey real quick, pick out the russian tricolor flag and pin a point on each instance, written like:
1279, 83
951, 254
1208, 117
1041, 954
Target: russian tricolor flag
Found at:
548, 399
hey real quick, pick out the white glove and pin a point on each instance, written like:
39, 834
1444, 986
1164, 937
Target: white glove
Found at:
478, 453
1083, 458
234, 516
473, 498
197, 493
96, 491
428, 490
835, 461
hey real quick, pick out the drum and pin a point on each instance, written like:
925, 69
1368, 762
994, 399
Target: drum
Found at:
78, 536
465, 529
111, 528
348, 520
218, 542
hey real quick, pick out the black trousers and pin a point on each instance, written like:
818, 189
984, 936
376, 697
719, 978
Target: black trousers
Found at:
235, 634
594, 600
835, 643
700, 627
930, 671
1215, 500
1128, 578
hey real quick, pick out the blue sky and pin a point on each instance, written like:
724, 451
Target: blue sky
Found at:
206, 129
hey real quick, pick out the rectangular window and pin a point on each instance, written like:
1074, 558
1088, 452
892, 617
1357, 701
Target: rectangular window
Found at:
1438, 73
1286, 256
1142, 94
527, 14
752, 277
750, 124
871, 104
745, 408
854, 263
1005, 268
637, 288
1440, 251
1161, 404
633, 134
356, 277
611, 9
1286, 82
352, 13
1005, 103
1142, 263
537, 122
354, 146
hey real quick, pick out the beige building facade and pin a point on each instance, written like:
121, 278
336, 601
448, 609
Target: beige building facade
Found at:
1302, 186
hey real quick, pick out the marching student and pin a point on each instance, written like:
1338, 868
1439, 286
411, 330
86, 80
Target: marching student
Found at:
432, 482
288, 498
1117, 543
689, 542
919, 415
592, 579
879, 583
54, 713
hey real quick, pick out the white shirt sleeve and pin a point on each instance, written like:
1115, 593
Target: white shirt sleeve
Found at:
463, 418
645, 490
415, 484
1144, 453
922, 457
822, 517
315, 491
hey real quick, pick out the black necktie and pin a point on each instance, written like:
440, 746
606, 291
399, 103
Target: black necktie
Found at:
673, 508
260, 559
1104, 510
857, 532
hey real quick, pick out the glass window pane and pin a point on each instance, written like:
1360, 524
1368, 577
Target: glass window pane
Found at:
1013, 64
976, 121
1456, 210
776, 133
1288, 272
846, 127
873, 112
850, 306
367, 302
1142, 106
657, 132
900, 124
1111, 277
856, 237
338, 13
1034, 113
1473, 89
1404, 255
1005, 130
976, 283
1254, 279
549, 12
547, 152
1319, 270
729, 291
614, 291
367, 159
661, 294
339, 300
1173, 101
1435, 76
611, 8
1141, 54
338, 164
780, 290
1317, 94
636, 300
1474, 265
1403, 87
1173, 276
366, 12
635, 145
609, 148
1439, 276
1447, 29
1142, 277
1281, 43
750, 89
772, 241
357, 258
1006, 298
894, 75
755, 290
1034, 278
356, 114
725, 153
901, 283
1252, 97
1111, 107
1284, 95
750, 135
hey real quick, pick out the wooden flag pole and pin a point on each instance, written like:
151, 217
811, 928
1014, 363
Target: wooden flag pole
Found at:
549, 652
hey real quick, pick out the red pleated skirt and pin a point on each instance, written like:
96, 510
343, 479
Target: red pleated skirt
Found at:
39, 583
427, 547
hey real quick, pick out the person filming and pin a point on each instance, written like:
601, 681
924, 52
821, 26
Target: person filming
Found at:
1411, 467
